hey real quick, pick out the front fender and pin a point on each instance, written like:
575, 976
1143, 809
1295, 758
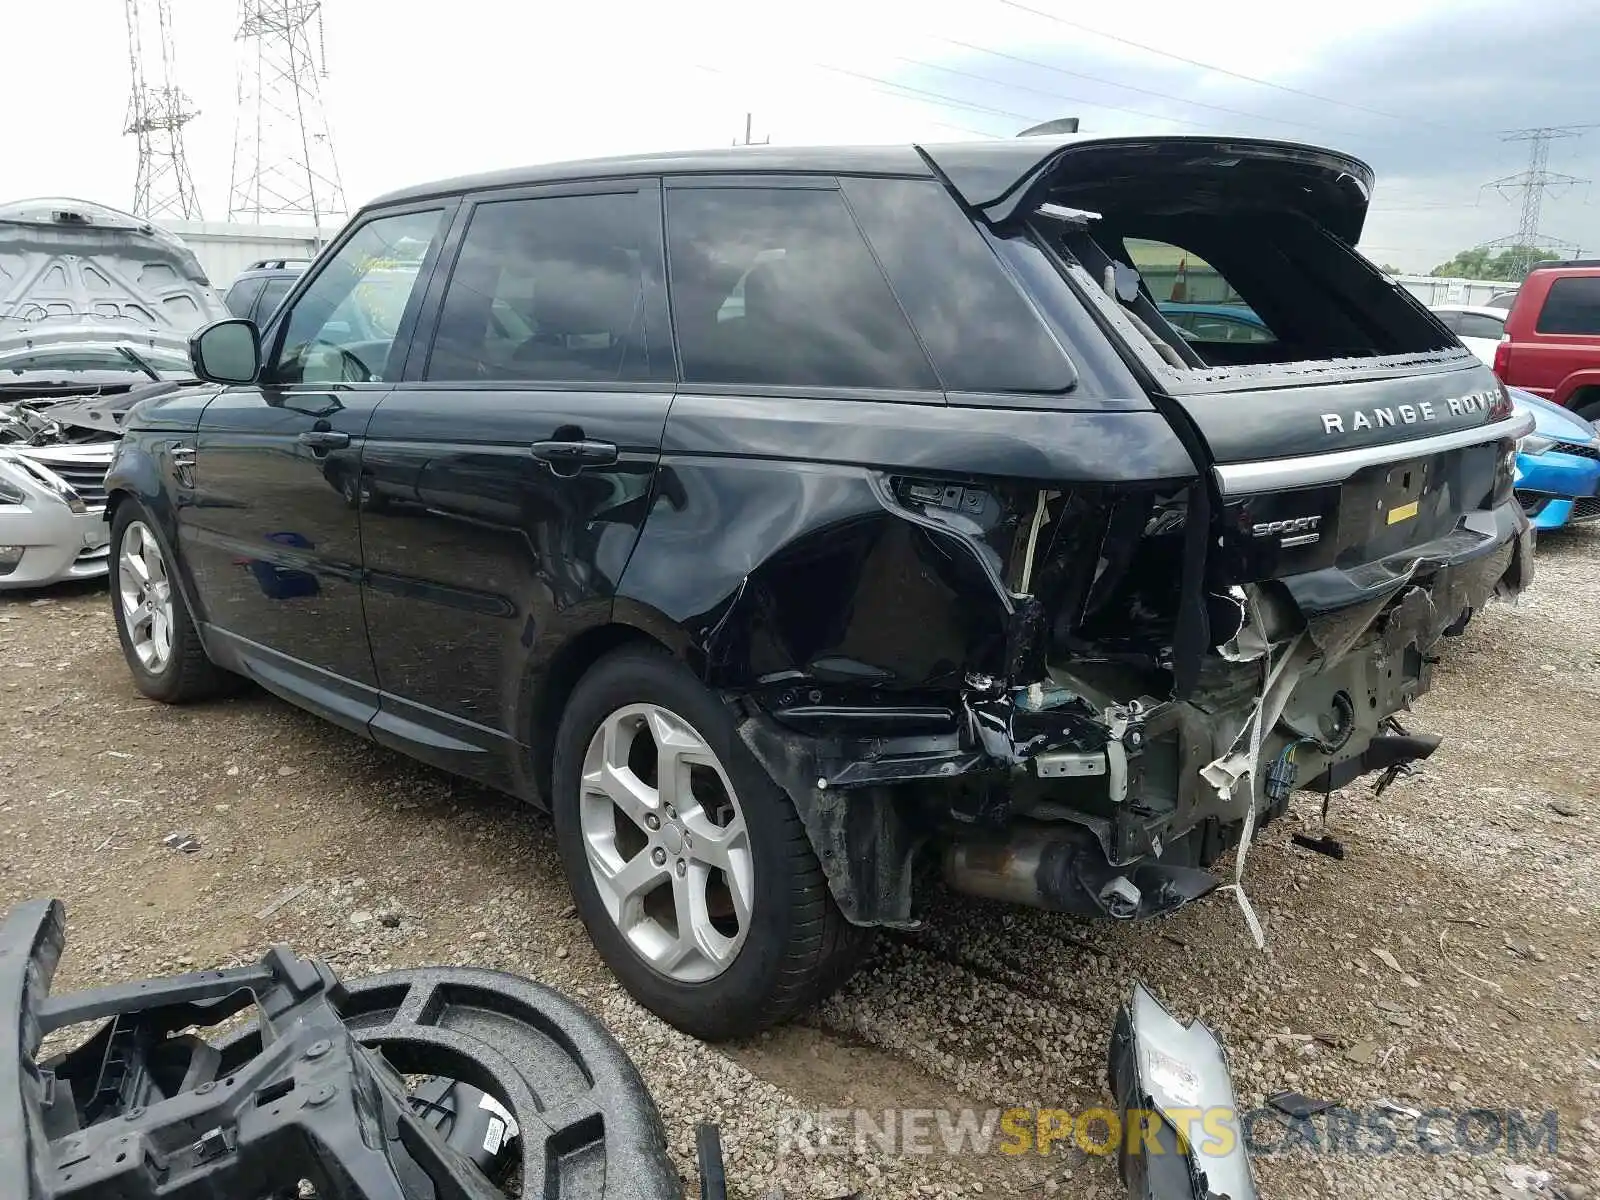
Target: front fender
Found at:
142, 470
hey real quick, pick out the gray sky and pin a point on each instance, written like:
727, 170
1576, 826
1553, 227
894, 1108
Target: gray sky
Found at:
415, 93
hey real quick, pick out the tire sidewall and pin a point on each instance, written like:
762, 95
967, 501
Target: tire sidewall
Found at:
163, 684
728, 1003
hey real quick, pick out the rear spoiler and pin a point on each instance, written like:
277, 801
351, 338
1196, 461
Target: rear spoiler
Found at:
1004, 179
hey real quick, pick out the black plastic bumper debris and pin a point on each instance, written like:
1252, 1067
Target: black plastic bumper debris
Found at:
1181, 1137
312, 1092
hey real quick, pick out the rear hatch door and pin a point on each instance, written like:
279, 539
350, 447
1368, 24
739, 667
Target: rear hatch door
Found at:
1351, 438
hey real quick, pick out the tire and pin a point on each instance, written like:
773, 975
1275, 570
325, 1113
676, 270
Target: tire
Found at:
792, 946
183, 673
1589, 409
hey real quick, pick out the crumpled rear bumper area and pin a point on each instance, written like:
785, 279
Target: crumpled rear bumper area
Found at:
1056, 794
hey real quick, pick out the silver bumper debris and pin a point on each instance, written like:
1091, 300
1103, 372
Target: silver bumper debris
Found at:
1181, 1134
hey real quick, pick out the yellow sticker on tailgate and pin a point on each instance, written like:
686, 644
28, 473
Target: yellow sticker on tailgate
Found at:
1404, 513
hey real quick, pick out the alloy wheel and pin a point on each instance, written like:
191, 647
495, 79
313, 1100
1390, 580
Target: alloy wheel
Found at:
666, 842
145, 592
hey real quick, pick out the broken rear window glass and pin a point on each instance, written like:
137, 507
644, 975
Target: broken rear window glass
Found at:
1245, 288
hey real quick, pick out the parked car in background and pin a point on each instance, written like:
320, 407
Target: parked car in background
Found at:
1480, 327
1552, 344
1215, 322
1501, 300
787, 580
257, 291
96, 308
1558, 465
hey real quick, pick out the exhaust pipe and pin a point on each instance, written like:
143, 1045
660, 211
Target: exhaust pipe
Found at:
1061, 867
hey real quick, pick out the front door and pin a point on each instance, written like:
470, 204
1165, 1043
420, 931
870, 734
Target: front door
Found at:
506, 478
273, 535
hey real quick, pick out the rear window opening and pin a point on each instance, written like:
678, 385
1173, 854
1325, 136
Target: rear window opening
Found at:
1222, 262
1247, 288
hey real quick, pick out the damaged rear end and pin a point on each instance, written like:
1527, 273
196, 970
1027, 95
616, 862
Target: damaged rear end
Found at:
1129, 620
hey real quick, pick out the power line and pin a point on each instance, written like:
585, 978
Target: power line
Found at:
1533, 183
1222, 108
884, 91
944, 100
1041, 92
1204, 66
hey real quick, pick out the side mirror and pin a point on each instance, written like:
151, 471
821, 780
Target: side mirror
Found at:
227, 352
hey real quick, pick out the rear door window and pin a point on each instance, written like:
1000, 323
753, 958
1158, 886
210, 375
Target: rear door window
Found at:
1573, 306
1480, 326
272, 295
552, 288
242, 295
982, 335
775, 287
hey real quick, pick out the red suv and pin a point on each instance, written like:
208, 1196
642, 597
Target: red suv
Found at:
1552, 340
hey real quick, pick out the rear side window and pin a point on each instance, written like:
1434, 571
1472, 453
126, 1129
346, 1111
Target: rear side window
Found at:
1573, 306
982, 334
272, 295
774, 286
1479, 326
241, 296
550, 288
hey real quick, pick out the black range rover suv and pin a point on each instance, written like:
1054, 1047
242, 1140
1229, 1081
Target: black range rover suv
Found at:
803, 525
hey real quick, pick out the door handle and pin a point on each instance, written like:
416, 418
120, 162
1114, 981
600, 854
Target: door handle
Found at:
324, 439
568, 458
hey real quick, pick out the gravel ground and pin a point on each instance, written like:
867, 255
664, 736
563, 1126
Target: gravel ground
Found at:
1451, 959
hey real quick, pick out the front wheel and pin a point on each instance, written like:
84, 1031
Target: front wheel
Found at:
689, 866
158, 637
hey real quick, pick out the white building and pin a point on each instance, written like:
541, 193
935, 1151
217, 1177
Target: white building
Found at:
225, 248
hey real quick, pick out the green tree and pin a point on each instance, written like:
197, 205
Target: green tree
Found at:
1511, 264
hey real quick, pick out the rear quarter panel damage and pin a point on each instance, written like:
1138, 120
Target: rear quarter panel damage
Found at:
847, 575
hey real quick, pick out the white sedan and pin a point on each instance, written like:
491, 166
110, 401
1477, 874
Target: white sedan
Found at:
1479, 327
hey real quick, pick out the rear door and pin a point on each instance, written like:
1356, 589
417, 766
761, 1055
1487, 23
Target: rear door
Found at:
272, 534
836, 505
1562, 337
504, 481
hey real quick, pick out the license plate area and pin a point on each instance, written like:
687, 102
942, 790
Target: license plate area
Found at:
1404, 490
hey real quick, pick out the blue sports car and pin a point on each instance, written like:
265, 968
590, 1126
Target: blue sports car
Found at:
1558, 465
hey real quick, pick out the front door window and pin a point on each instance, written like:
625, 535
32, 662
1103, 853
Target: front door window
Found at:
343, 326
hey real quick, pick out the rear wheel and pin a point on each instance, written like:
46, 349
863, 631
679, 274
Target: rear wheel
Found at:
689, 866
158, 637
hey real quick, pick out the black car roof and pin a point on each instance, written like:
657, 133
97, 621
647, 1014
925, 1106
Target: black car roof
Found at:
785, 160
992, 176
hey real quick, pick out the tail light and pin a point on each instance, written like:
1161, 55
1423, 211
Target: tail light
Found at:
1502, 357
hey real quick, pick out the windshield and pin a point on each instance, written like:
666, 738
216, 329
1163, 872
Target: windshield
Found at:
91, 366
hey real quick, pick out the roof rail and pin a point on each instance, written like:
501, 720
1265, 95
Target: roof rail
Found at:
278, 264
1566, 262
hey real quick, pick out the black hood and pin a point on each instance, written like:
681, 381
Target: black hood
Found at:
1162, 175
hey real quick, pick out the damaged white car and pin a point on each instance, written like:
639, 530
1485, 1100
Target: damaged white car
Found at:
96, 307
